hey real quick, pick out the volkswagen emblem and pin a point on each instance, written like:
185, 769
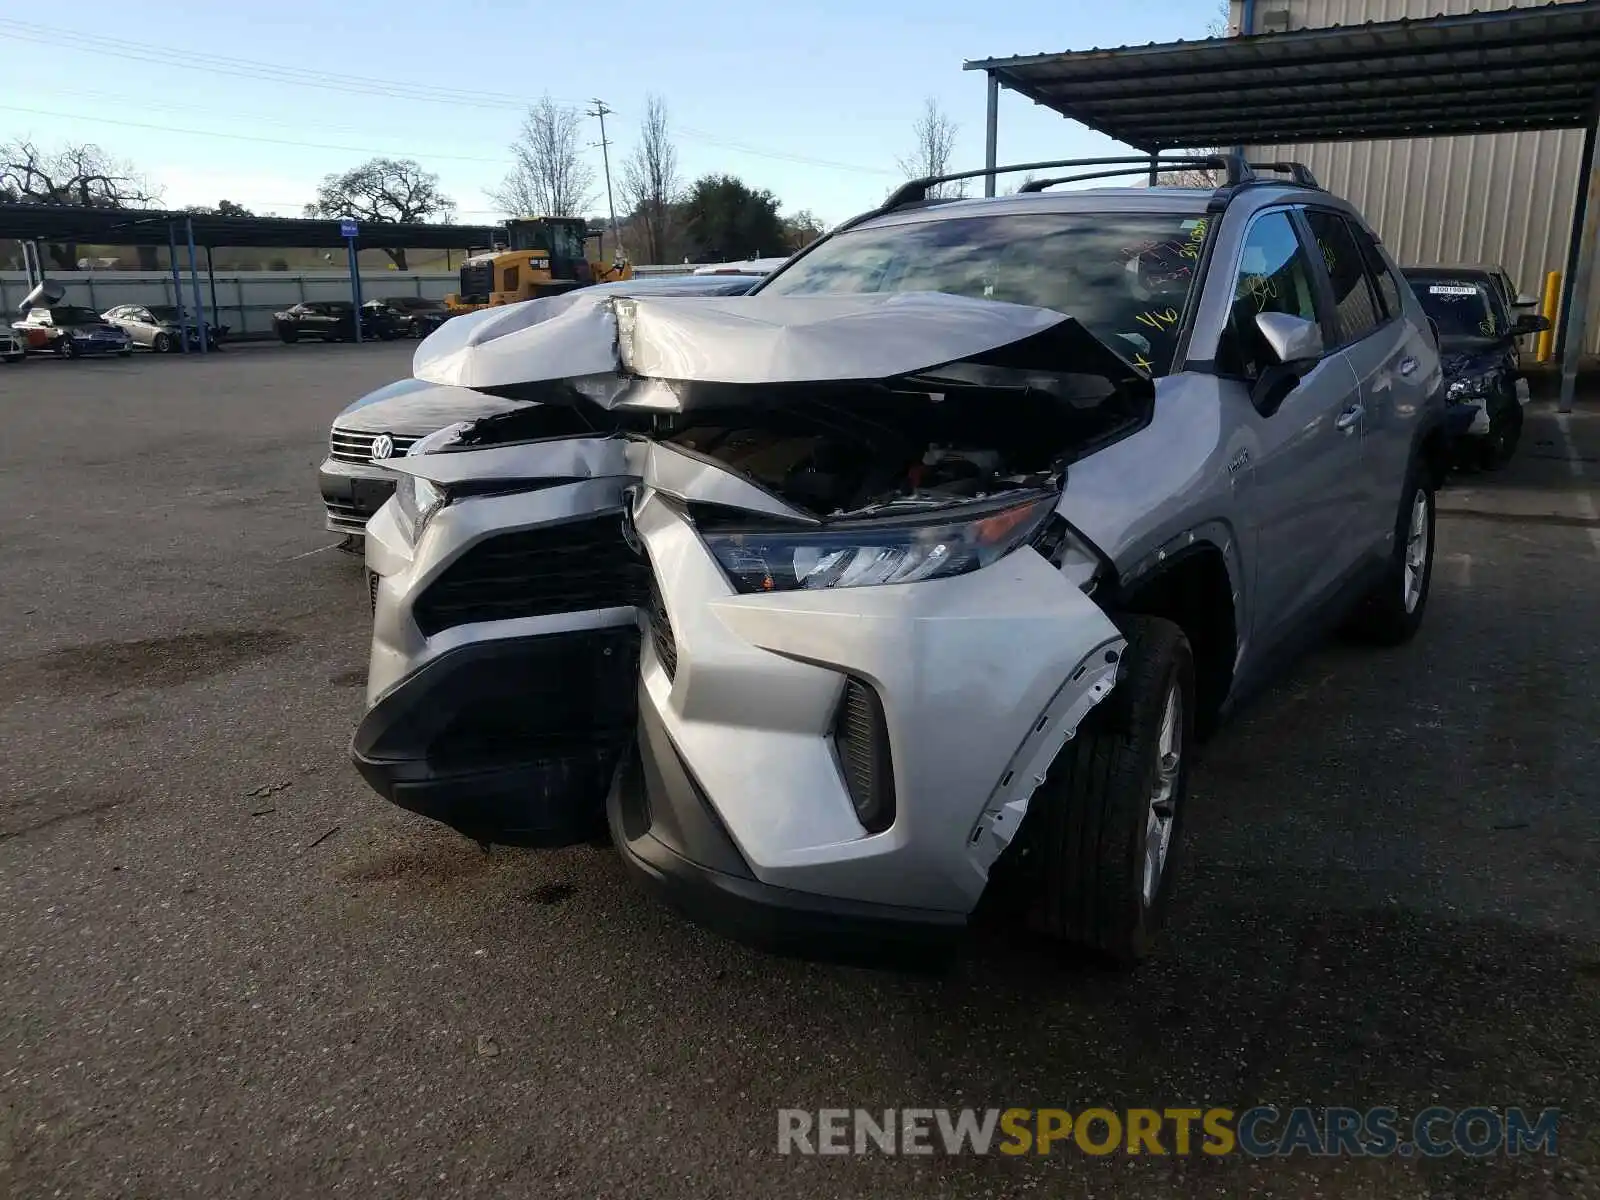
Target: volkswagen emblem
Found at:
382, 447
630, 532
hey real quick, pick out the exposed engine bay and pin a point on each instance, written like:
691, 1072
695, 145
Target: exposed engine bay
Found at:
840, 457
771, 391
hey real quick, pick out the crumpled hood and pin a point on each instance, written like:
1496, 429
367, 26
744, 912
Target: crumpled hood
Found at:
731, 339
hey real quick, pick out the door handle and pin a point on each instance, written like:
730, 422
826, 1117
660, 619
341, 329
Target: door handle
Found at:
1407, 366
1348, 418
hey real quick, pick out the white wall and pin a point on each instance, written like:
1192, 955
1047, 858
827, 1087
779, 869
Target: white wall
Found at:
1503, 198
246, 300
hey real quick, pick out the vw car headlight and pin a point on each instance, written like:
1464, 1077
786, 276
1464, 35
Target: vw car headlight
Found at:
890, 549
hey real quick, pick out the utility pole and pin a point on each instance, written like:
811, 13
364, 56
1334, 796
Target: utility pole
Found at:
600, 110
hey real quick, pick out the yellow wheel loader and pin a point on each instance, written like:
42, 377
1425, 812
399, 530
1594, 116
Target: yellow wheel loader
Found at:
543, 256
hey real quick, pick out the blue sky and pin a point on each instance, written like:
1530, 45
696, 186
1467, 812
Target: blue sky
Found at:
825, 90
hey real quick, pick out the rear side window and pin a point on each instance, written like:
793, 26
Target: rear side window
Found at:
1354, 300
1378, 271
1274, 277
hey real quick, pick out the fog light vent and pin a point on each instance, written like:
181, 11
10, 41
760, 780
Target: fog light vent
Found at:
861, 739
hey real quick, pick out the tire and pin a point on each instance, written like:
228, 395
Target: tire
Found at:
1093, 874
16, 358
161, 343
288, 336
125, 353
1391, 613
1500, 443
65, 348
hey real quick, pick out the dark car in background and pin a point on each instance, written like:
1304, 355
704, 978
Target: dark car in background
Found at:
1478, 350
386, 423
157, 326
71, 332
334, 321
415, 316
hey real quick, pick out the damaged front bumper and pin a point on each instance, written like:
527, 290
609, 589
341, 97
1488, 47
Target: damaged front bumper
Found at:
569, 633
728, 737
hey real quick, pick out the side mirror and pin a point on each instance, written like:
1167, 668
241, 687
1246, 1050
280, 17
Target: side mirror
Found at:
1297, 345
1292, 340
1527, 323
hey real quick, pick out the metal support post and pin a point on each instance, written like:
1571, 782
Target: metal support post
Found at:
991, 132
194, 281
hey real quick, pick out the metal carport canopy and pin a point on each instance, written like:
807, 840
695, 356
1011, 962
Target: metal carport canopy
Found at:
148, 227
1484, 72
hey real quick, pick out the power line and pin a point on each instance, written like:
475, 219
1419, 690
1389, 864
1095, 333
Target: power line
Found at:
248, 137
361, 85
253, 68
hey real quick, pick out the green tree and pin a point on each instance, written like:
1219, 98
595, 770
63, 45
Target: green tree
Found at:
728, 220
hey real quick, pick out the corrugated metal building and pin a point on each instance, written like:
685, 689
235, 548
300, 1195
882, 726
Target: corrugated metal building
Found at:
1502, 198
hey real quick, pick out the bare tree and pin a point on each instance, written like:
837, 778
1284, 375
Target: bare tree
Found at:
383, 191
1201, 177
1218, 26
650, 181
84, 174
72, 175
935, 134
549, 178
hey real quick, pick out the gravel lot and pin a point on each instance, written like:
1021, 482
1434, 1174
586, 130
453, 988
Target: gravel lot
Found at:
229, 969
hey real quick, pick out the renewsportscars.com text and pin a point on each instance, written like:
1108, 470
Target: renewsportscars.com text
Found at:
1261, 1132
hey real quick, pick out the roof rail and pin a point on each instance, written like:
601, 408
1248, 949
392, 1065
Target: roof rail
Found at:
916, 190
1202, 161
1298, 171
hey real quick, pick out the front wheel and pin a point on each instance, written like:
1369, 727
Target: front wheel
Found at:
161, 343
288, 336
1392, 612
1094, 854
65, 348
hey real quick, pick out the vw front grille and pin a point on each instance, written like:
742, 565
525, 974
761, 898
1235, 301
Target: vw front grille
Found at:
348, 445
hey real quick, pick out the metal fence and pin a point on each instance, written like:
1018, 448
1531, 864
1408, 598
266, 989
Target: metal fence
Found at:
244, 300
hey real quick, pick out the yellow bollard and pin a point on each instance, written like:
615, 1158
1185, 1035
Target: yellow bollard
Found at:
1552, 301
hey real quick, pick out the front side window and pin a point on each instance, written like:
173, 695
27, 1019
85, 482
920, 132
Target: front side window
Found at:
1353, 297
1274, 276
1125, 276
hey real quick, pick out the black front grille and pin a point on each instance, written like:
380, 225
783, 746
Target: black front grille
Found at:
661, 633
533, 572
861, 737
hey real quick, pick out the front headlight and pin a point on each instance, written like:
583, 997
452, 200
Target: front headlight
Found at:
418, 499
891, 549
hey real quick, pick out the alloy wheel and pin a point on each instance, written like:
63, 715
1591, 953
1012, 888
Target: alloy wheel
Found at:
1416, 552
1163, 808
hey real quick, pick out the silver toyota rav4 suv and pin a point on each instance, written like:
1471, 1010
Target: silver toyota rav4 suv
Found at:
916, 573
